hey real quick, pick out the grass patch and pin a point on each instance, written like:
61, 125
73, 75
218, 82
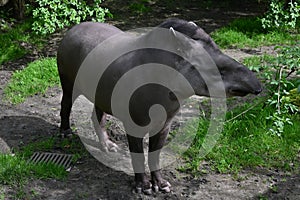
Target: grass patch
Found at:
259, 63
246, 143
16, 172
68, 145
36, 78
11, 40
243, 33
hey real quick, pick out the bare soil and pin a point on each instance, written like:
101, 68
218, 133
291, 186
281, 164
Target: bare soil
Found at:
38, 119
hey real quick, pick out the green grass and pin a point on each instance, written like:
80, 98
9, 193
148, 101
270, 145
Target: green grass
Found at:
243, 33
34, 79
11, 41
14, 169
16, 172
245, 143
68, 145
259, 63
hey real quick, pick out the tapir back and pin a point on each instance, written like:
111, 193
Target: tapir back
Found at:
77, 43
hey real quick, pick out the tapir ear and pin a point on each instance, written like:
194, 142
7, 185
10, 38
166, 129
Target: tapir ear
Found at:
172, 31
193, 23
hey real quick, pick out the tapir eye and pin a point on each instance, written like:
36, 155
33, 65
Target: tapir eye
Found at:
222, 74
193, 67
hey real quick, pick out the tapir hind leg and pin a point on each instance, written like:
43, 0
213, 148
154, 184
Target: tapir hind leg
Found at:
99, 118
66, 106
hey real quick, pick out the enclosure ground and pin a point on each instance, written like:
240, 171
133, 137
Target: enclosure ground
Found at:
37, 119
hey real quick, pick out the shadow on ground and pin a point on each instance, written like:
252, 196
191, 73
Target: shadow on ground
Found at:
17, 131
287, 187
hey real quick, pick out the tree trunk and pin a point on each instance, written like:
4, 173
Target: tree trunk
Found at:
19, 7
286, 4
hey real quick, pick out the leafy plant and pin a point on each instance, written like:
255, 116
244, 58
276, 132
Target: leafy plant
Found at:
277, 71
51, 15
279, 87
280, 18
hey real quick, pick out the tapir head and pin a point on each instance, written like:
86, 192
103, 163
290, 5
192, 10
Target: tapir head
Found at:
238, 80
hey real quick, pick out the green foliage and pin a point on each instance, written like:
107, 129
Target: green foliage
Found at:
243, 33
34, 79
51, 15
294, 96
288, 61
278, 17
276, 71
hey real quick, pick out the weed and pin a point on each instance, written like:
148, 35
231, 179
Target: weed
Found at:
282, 89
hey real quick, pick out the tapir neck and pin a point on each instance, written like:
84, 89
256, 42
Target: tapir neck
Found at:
217, 55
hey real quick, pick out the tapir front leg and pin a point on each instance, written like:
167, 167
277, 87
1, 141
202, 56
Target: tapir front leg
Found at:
156, 143
142, 183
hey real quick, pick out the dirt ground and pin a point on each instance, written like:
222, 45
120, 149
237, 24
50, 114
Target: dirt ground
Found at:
38, 119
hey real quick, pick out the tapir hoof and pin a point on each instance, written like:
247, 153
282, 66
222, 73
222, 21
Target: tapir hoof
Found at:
145, 188
109, 146
164, 186
66, 133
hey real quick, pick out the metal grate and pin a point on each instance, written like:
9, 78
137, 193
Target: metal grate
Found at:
63, 160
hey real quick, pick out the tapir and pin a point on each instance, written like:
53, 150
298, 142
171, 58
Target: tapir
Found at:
79, 42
